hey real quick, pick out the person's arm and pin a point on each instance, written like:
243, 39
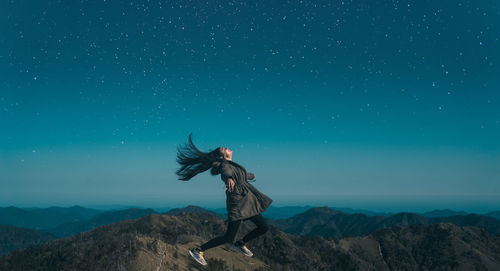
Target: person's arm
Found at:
226, 176
229, 184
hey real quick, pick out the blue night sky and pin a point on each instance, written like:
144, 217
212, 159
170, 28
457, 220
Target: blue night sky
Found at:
381, 105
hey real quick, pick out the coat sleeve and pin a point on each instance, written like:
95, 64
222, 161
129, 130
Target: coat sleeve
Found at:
250, 175
226, 172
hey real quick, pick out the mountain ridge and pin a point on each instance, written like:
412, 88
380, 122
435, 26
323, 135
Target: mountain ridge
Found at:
160, 242
332, 223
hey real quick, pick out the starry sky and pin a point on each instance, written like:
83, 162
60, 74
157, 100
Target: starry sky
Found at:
381, 105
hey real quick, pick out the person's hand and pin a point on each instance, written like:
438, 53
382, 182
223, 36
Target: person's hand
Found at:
230, 184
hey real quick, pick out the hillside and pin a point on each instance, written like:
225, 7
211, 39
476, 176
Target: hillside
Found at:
326, 222
160, 242
194, 209
154, 242
14, 238
101, 219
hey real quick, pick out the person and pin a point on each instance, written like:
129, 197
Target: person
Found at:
243, 201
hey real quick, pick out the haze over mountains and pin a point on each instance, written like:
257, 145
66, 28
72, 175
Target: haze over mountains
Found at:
319, 238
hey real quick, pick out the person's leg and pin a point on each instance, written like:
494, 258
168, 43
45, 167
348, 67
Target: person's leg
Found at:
262, 228
232, 229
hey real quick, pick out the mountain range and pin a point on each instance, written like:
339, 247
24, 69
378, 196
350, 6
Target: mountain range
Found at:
322, 221
160, 242
44, 218
327, 222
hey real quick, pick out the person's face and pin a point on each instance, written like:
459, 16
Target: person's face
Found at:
227, 153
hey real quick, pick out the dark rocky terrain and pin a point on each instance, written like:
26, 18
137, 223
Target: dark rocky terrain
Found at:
160, 242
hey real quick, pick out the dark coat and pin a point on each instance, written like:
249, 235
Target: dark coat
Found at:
245, 200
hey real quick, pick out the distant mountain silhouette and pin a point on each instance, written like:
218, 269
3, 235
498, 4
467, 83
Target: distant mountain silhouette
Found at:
73, 212
489, 223
44, 218
494, 214
274, 212
284, 212
443, 213
160, 242
326, 222
289, 211
362, 211
101, 219
14, 238
403, 219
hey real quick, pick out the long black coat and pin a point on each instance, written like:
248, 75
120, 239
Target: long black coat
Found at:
245, 200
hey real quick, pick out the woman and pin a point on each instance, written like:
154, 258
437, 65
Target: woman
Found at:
243, 200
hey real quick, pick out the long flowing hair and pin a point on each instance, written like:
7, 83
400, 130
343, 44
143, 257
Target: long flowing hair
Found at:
193, 161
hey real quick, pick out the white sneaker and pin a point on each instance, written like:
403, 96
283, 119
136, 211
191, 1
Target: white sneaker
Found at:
197, 254
241, 247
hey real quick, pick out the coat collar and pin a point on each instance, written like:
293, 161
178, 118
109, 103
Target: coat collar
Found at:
234, 164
